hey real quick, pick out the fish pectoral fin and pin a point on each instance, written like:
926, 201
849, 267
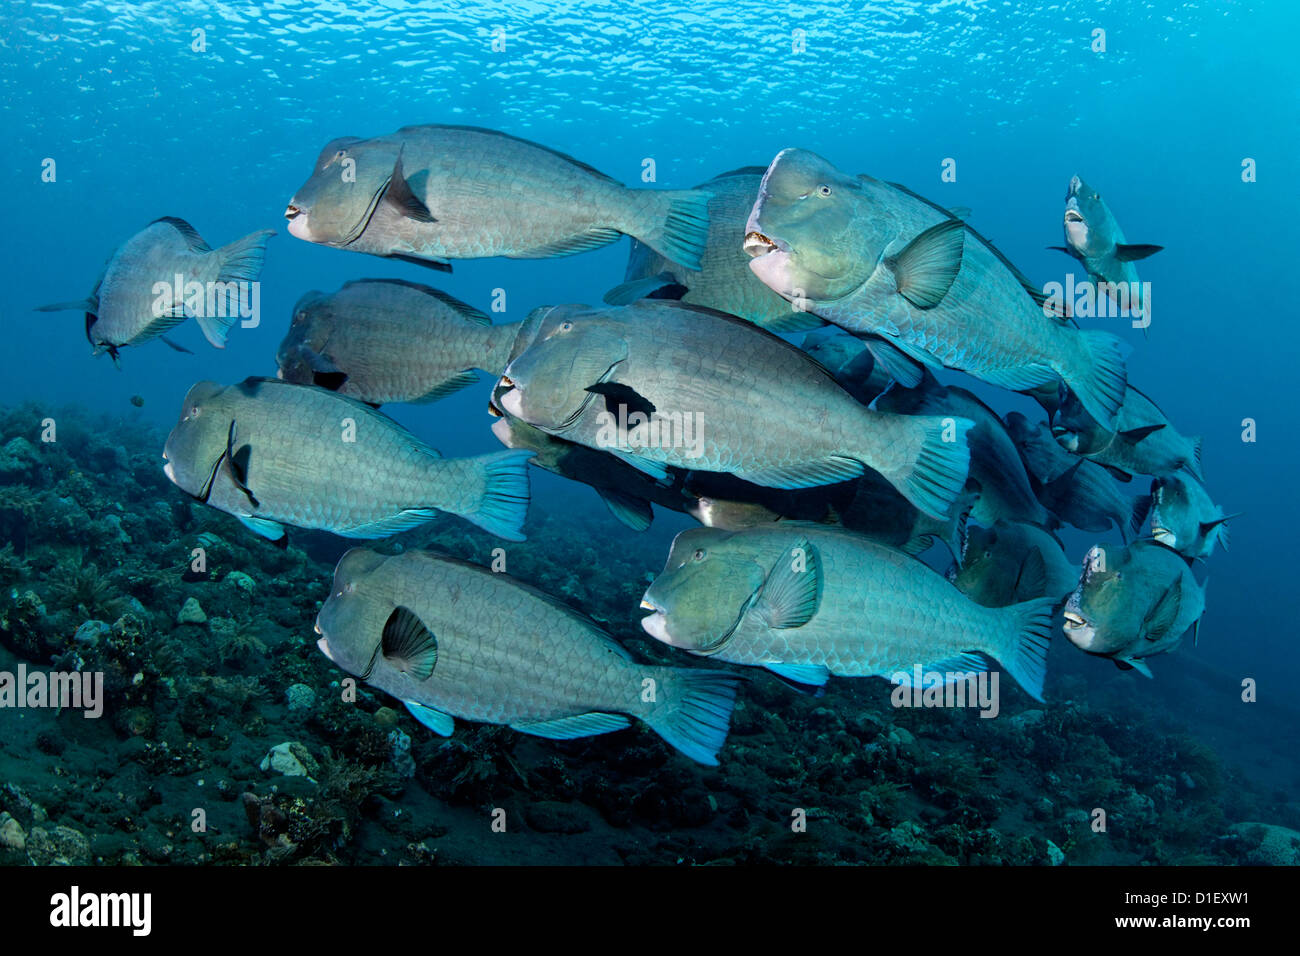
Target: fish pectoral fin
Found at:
792, 592
237, 461
636, 513
330, 380
400, 197
619, 395
1032, 579
452, 384
90, 304
1133, 251
1068, 252
1135, 435
806, 678
579, 725
408, 644
440, 723
174, 345
926, 267
1162, 615
273, 531
1134, 664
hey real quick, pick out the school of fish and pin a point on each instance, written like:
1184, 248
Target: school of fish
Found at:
820, 474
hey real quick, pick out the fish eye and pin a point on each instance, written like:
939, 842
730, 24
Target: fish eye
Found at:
823, 190
194, 411
341, 154
566, 326
699, 555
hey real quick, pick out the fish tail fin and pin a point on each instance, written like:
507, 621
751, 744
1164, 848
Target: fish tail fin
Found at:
1023, 654
674, 223
238, 262
936, 476
694, 714
504, 504
1101, 379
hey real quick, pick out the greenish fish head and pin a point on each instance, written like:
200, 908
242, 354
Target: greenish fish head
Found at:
707, 584
334, 206
547, 384
1089, 226
309, 329
351, 621
1095, 611
1075, 430
1171, 517
196, 446
805, 235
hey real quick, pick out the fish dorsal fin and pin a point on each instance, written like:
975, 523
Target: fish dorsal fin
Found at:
792, 593
188, 232
527, 142
408, 645
926, 267
400, 197
1162, 615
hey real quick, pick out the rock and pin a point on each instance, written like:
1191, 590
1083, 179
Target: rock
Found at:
1028, 719
91, 633
386, 717
300, 697
1055, 855
1277, 846
191, 613
12, 834
240, 581
902, 736
550, 816
19, 459
403, 762
291, 759
58, 846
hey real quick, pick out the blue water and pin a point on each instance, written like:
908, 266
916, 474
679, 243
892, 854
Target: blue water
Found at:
141, 126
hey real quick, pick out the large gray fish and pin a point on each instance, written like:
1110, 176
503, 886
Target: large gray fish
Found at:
1141, 443
807, 603
275, 454
1013, 562
163, 275
996, 469
385, 340
1094, 238
875, 258
850, 360
667, 384
1184, 517
626, 491
450, 639
1079, 492
723, 281
1133, 603
431, 193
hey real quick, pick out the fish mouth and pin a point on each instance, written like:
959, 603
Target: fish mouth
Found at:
656, 624
758, 244
1074, 621
1072, 216
291, 212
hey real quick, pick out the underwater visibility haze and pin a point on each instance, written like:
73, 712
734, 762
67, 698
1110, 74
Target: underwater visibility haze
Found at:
499, 433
